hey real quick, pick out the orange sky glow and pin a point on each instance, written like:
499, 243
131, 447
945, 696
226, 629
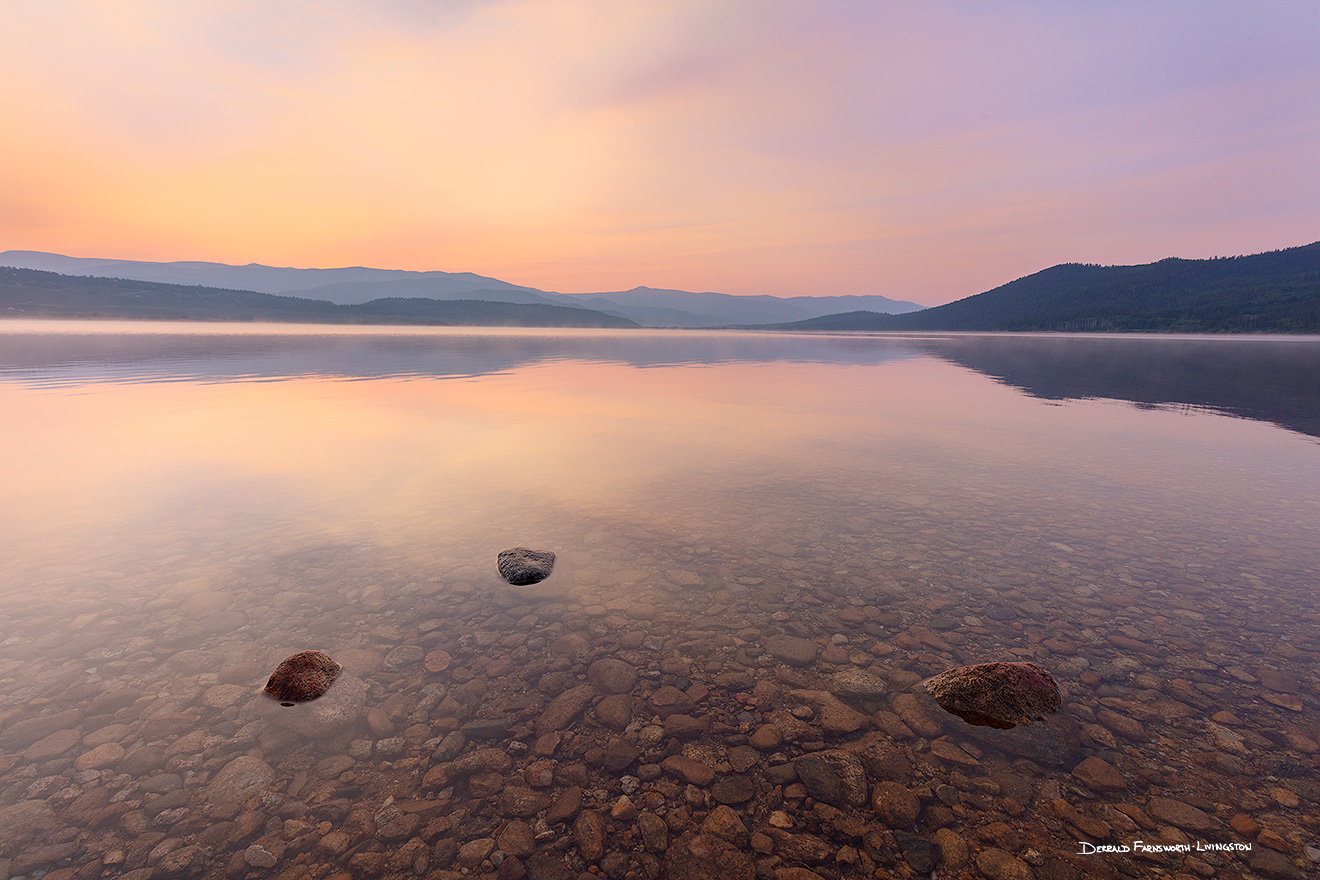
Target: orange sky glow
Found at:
925, 152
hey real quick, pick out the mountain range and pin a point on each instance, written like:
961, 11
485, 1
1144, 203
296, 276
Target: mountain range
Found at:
1274, 292
358, 285
33, 293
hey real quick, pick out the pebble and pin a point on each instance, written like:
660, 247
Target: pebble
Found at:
858, 684
895, 805
767, 738
611, 731
654, 832
694, 772
1098, 774
517, 839
589, 834
734, 789
700, 856
52, 746
243, 777
952, 753
835, 717
564, 708
914, 714
105, 755
996, 864
1183, 815
612, 676
791, 650
258, 856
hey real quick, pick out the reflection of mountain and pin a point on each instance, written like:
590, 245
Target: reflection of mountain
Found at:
76, 358
1275, 380
1271, 380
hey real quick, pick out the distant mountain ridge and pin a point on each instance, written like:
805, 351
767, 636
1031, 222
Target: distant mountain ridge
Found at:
355, 285
254, 276
33, 293
1274, 292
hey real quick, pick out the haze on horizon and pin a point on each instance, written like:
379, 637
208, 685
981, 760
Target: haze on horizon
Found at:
924, 152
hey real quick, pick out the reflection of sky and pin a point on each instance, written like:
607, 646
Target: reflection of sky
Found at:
137, 486
588, 435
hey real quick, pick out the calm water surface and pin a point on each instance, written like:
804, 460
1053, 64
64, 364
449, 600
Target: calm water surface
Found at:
184, 506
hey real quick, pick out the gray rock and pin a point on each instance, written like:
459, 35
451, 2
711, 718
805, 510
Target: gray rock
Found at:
520, 566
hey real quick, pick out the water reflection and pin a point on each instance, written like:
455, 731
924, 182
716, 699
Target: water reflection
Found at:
128, 353
1274, 380
1268, 379
773, 540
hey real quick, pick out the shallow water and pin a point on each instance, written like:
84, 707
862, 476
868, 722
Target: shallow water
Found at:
186, 505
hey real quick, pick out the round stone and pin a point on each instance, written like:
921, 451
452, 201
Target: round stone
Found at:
1000, 695
302, 677
521, 567
611, 676
735, 789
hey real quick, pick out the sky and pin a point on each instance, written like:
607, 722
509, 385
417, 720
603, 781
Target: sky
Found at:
924, 151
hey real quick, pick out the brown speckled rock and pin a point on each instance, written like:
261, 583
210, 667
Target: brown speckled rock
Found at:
1000, 695
302, 677
521, 567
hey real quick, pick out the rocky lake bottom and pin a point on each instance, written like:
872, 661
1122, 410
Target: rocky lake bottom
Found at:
721, 678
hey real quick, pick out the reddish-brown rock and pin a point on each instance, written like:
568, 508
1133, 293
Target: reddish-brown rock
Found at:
1098, 774
1000, 695
302, 677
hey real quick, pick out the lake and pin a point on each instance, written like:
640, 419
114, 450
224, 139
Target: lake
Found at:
765, 543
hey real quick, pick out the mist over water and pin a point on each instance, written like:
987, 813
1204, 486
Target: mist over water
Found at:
185, 506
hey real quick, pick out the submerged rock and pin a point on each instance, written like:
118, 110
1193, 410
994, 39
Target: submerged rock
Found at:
239, 780
1000, 695
302, 677
701, 856
342, 707
791, 649
521, 567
